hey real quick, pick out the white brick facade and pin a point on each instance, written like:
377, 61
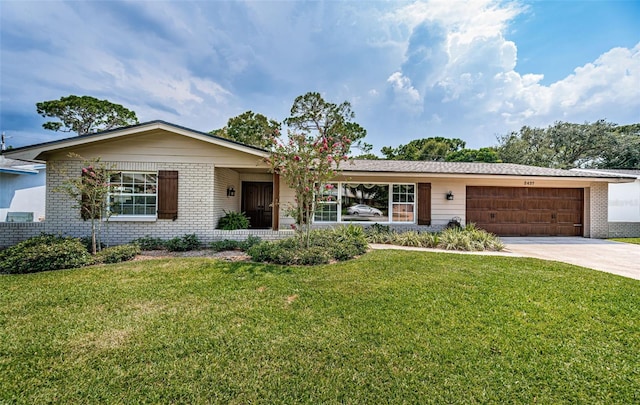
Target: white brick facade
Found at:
599, 211
195, 204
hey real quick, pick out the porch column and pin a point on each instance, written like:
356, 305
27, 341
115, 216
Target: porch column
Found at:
275, 225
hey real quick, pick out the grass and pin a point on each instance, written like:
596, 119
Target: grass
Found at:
635, 241
390, 327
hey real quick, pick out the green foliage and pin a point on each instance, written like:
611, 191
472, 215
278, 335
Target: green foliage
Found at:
486, 155
251, 129
88, 244
117, 254
313, 256
233, 220
310, 113
565, 145
42, 253
183, 243
434, 148
149, 243
340, 243
469, 238
84, 114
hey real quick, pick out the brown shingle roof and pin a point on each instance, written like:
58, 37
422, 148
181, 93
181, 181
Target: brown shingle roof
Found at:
504, 169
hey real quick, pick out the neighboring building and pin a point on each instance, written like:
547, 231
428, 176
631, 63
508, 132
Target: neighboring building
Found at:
174, 181
624, 203
22, 190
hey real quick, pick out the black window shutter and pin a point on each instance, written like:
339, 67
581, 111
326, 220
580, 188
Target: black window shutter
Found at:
424, 203
168, 194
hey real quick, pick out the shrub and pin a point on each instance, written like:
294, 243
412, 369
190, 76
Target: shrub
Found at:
342, 243
377, 233
222, 245
86, 241
409, 238
149, 243
249, 242
117, 254
184, 243
233, 220
312, 256
42, 253
261, 252
469, 238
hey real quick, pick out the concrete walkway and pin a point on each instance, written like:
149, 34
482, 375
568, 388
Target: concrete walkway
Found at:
613, 257
618, 258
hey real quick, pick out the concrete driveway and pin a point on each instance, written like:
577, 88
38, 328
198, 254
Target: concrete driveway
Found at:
613, 257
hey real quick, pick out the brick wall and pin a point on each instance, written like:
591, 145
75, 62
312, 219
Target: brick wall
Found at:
195, 205
624, 229
14, 232
598, 210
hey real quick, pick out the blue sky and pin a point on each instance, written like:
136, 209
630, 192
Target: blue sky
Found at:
471, 70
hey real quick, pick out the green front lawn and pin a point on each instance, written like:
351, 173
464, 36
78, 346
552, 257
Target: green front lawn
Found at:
635, 241
390, 327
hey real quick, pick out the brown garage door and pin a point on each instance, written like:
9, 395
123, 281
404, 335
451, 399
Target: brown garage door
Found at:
519, 211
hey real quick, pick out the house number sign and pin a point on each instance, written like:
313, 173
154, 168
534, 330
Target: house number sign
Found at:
529, 182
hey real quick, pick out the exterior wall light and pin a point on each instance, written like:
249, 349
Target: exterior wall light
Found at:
449, 195
231, 191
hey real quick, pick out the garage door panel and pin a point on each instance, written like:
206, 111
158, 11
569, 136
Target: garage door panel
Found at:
520, 211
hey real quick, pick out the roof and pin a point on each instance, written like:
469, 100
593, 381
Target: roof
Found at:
624, 172
475, 168
14, 166
32, 151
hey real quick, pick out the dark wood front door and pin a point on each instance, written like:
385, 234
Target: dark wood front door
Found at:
522, 211
257, 199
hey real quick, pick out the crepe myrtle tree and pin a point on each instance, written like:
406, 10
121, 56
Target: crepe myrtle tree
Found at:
89, 192
306, 163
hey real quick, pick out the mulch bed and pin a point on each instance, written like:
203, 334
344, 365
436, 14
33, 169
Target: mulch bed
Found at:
229, 255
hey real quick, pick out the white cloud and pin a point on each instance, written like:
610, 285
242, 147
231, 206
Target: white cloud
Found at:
406, 95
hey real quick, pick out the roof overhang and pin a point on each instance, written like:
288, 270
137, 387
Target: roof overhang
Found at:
486, 176
38, 152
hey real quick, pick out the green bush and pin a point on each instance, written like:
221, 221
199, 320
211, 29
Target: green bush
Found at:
42, 253
226, 244
341, 243
233, 220
149, 243
312, 256
86, 241
261, 252
117, 254
249, 242
184, 243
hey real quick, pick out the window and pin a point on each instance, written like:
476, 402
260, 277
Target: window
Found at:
362, 202
403, 202
133, 194
327, 209
365, 202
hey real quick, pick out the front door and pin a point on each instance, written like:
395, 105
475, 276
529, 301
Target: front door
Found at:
257, 199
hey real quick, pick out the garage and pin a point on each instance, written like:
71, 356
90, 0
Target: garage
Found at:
522, 211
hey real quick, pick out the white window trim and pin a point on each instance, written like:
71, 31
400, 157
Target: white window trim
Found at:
137, 217
389, 207
131, 218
